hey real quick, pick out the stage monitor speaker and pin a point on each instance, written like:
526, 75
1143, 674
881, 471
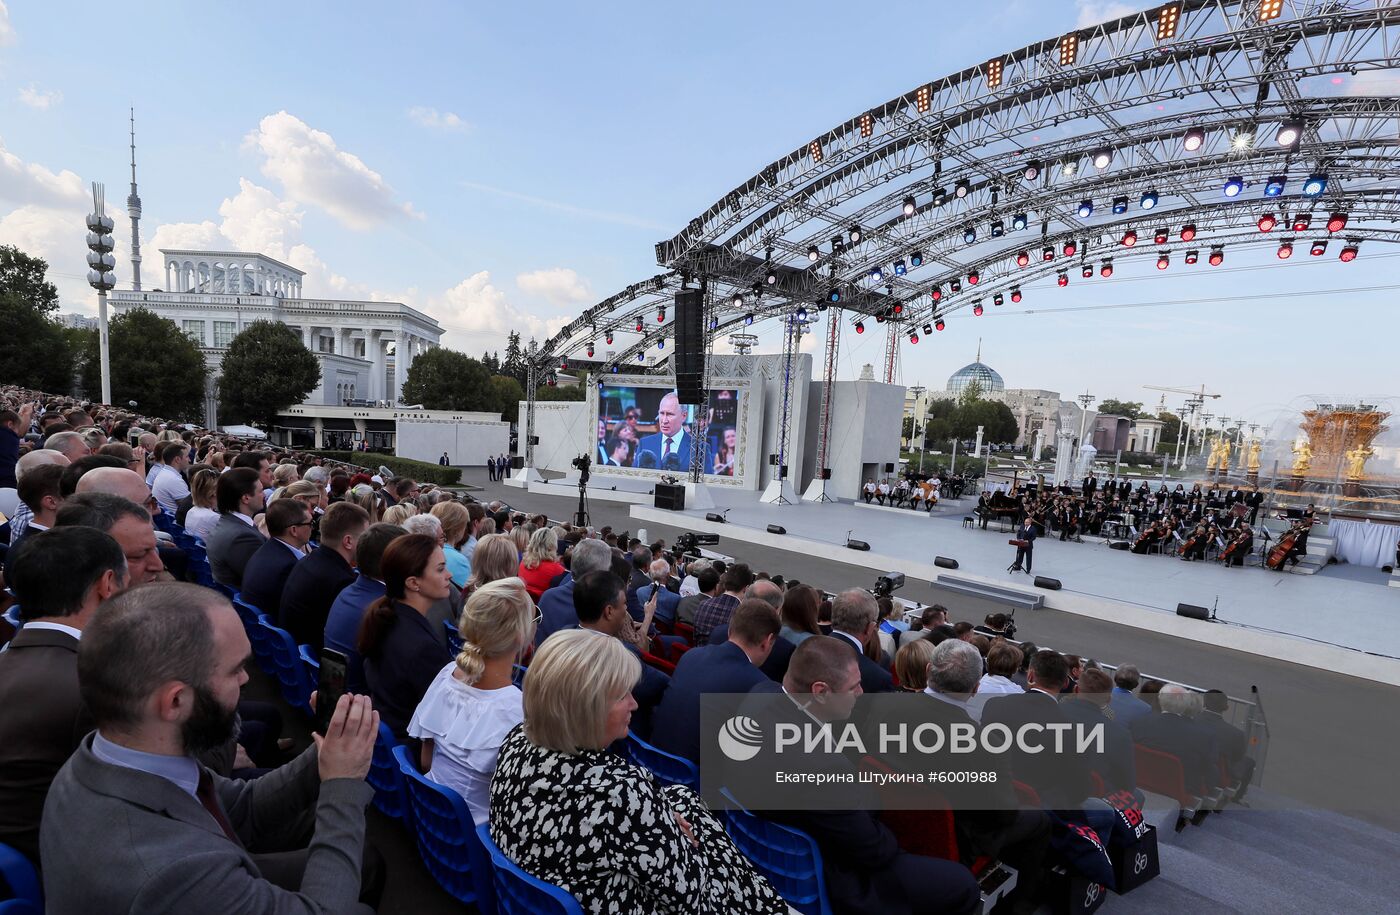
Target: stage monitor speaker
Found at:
1191, 611
534, 439
715, 517
889, 467
1120, 545
826, 473
1049, 584
776, 529
670, 496
943, 562
517, 462
689, 358
858, 545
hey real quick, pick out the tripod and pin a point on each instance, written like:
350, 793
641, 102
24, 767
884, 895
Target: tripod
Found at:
581, 517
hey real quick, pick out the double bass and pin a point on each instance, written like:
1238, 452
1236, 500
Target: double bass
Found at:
1279, 554
1190, 543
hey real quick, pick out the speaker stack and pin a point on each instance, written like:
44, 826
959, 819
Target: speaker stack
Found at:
669, 496
689, 358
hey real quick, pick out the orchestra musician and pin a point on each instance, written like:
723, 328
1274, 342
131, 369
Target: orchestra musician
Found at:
1194, 546
1239, 546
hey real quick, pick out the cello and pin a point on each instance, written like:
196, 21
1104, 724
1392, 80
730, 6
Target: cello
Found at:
1279, 554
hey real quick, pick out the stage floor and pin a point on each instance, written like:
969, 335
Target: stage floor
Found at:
1345, 622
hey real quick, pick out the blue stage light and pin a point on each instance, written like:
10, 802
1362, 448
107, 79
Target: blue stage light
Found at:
1086, 209
1019, 221
1315, 185
916, 259
1120, 205
969, 234
1148, 200
1234, 186
899, 268
1274, 186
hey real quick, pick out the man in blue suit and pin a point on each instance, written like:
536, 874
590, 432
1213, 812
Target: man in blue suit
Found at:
556, 605
853, 617
666, 600
1127, 707
348, 609
288, 532
601, 604
669, 448
729, 668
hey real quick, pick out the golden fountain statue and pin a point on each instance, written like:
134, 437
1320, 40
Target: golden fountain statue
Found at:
1254, 449
1338, 439
1303, 461
1356, 461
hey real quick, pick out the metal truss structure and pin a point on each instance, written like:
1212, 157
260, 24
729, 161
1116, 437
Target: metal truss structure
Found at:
1109, 143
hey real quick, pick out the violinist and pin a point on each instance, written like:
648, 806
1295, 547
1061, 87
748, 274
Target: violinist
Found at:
1240, 546
1194, 546
1153, 534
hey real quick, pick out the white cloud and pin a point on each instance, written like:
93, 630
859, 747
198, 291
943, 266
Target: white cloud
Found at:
40, 99
436, 120
1092, 12
313, 170
56, 235
558, 285
476, 308
25, 183
7, 31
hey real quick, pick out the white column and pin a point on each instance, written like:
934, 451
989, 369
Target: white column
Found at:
400, 364
374, 351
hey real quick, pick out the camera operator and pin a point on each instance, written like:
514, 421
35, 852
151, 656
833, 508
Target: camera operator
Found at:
998, 625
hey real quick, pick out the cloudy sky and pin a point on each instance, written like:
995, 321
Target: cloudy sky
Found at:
504, 166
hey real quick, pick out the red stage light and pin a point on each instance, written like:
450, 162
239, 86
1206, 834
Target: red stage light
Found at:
1267, 222
590, 351
1129, 238
1062, 279
1192, 256
1188, 231
955, 286
1285, 251
1016, 295
914, 338
1069, 248
1319, 247
997, 299
973, 278
1087, 271
1106, 270
1348, 253
1301, 222
1217, 256
939, 324
639, 325
1160, 236
977, 310
660, 317
936, 294
1336, 222
1023, 258
860, 327
1163, 261
1047, 253
899, 308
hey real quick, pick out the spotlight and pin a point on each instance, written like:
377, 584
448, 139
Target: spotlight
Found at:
1233, 186
1023, 258
1086, 209
1217, 257
660, 316
801, 313
973, 278
838, 244
1031, 171
977, 309
898, 306
1070, 247
1289, 133
994, 71
935, 293
860, 327
1129, 238
1069, 49
998, 229
877, 273
1160, 236
1274, 186
955, 286
1047, 253
1350, 251
1120, 205
939, 325
914, 338
1062, 279
661, 344
997, 298
814, 253
641, 357
1194, 139
928, 328
1015, 293
1106, 269
614, 368
834, 295
1167, 18
608, 339
748, 319
969, 234
1192, 256
1188, 231
1285, 249
962, 189
1319, 248
879, 319
771, 278
737, 302
867, 124
815, 148
940, 197
1269, 9
1164, 261
1267, 222
1315, 185
1148, 200
590, 350
923, 99
714, 323
1087, 271
639, 325
1102, 158
1069, 169
899, 268
856, 233
909, 206
1019, 221
916, 259
1302, 222
1243, 139
1336, 222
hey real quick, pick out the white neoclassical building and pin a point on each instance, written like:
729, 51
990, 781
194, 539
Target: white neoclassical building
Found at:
365, 348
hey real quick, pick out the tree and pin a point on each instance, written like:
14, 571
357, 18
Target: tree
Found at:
444, 379
562, 392
492, 362
506, 394
35, 351
265, 370
513, 366
996, 419
153, 363
1171, 430
1129, 408
970, 394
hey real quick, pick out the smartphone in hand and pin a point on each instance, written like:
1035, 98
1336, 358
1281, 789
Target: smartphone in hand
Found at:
331, 686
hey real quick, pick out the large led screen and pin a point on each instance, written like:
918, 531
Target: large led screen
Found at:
649, 429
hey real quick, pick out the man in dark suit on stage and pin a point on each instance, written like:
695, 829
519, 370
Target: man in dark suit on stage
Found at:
854, 616
669, 447
1091, 485
1026, 534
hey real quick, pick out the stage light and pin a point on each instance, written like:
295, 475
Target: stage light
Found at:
1164, 261
1102, 158
1160, 236
641, 357
857, 235
1019, 221
748, 319
860, 327
1319, 248
1047, 253
1217, 257
1350, 251
998, 229
1148, 200
1188, 231
1267, 222
1270, 9
1315, 185
1336, 222
1289, 133
977, 309
640, 326
1243, 139
899, 268
1015, 293
838, 244
916, 259
834, 295
1192, 256
1070, 247
801, 313
1120, 205
614, 368
815, 148
1274, 186
962, 189
608, 339
1023, 258
997, 298
563, 365
1062, 279
909, 206
939, 325
1087, 271
660, 316
954, 286
923, 99
1194, 139
898, 306
994, 71
940, 197
1302, 222
974, 278
771, 278
814, 253
1129, 238
914, 338
879, 319
1069, 49
935, 293
1031, 171
1167, 18
1086, 209
1106, 269
1285, 249
877, 273
714, 323
661, 344
867, 124
1069, 169
1234, 186
928, 328
969, 234
590, 350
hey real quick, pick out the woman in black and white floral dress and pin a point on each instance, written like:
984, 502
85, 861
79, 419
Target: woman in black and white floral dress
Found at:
572, 814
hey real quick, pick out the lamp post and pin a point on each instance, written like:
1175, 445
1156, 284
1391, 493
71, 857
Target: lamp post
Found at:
1084, 400
102, 263
918, 392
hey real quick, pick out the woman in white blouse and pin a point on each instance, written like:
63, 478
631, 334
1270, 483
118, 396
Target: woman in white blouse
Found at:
472, 705
202, 517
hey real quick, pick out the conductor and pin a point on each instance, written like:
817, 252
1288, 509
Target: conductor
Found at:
1025, 546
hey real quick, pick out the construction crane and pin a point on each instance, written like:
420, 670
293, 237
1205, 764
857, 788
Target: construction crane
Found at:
1194, 401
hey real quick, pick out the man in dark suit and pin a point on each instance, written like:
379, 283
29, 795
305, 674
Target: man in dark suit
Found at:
289, 530
316, 580
235, 538
776, 665
1229, 739
666, 600
59, 576
668, 447
1091, 485
1025, 533
601, 603
853, 619
1174, 730
1088, 705
160, 669
729, 668
556, 606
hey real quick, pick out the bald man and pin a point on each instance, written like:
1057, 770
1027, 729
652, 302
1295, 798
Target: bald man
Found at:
118, 481
23, 515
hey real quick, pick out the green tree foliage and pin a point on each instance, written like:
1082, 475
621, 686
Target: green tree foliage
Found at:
153, 363
513, 366
444, 379
1129, 408
948, 419
506, 394
492, 361
1171, 430
562, 392
265, 370
35, 350
970, 394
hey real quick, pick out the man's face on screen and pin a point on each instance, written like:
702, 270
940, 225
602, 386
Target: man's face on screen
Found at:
669, 417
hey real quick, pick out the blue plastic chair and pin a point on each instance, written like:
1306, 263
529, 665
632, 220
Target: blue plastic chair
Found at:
519, 893
673, 770
25, 896
385, 776
517, 675
12, 617
454, 639
788, 857
446, 837
287, 663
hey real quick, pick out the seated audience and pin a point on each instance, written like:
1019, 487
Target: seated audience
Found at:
41, 494
853, 614
716, 611
666, 600
33, 459
557, 604
707, 584
494, 558
922, 628
1089, 705
288, 532
774, 667
446, 613
169, 485
472, 703
235, 538
555, 781
160, 670
540, 566
1127, 708
911, 665
600, 601
203, 513
1003, 660
1175, 730
348, 610
314, 583
125, 522
456, 523
1229, 739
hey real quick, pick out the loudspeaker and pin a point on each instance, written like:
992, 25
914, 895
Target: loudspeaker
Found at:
858, 545
714, 516
776, 529
943, 562
1120, 545
517, 462
1049, 584
826, 473
670, 496
689, 358
889, 467
534, 439
1191, 611
782, 472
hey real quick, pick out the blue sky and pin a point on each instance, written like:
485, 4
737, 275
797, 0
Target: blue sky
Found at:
504, 166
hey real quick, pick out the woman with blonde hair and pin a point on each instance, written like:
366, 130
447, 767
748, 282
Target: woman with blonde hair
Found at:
572, 814
493, 559
911, 665
284, 475
398, 514
473, 704
541, 566
521, 538
364, 497
203, 514
456, 523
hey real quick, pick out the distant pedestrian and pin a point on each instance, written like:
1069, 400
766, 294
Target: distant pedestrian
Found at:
491, 468
442, 461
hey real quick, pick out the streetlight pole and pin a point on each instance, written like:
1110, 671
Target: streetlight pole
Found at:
1084, 400
918, 392
102, 263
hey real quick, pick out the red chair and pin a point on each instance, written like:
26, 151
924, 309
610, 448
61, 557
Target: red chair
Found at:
666, 667
1163, 773
678, 649
1026, 794
685, 631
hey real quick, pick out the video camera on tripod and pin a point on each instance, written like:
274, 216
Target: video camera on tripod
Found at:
887, 584
689, 543
581, 464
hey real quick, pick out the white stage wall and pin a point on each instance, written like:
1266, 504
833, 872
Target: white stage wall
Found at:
466, 437
563, 428
866, 417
